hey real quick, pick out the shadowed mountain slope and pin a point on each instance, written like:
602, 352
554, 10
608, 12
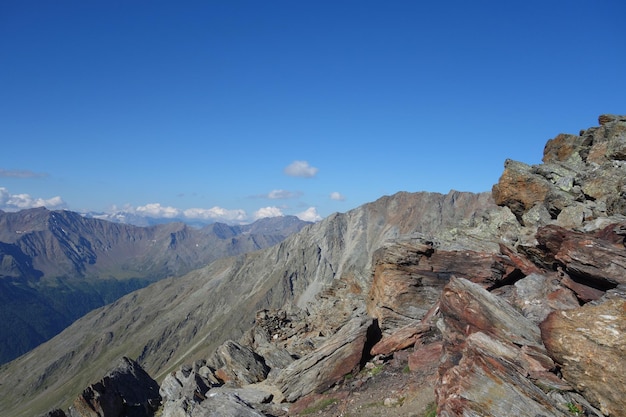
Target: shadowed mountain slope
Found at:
55, 266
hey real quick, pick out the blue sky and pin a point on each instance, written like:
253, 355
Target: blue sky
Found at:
231, 110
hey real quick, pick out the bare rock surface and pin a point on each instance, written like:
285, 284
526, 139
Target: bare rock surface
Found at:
408, 278
321, 369
581, 178
126, 391
215, 405
538, 295
592, 260
490, 351
589, 343
239, 364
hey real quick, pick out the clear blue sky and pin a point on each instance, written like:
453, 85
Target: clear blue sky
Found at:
233, 109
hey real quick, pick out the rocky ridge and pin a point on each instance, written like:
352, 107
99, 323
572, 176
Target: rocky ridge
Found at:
517, 308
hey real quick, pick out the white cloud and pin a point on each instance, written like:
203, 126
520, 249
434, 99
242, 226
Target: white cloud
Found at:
157, 210
267, 212
337, 196
217, 214
13, 202
283, 194
301, 169
309, 215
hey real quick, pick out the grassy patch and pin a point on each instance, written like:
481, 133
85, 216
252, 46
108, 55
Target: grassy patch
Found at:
376, 370
574, 408
431, 410
318, 406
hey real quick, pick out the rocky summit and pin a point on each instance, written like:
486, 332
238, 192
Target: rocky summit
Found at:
496, 304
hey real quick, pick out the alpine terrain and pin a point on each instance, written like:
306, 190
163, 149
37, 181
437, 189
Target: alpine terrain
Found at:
55, 266
509, 302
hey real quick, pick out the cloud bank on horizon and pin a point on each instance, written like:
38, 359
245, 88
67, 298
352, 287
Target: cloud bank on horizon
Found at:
16, 202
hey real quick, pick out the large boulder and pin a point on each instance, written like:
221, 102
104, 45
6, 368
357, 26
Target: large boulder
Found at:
519, 188
487, 382
239, 365
589, 343
537, 295
341, 354
592, 259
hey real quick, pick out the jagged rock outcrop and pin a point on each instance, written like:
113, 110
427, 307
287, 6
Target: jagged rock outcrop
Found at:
590, 260
189, 383
126, 391
408, 278
491, 355
581, 178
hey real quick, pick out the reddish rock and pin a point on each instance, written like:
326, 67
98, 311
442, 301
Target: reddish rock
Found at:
562, 148
400, 339
425, 356
525, 265
467, 308
584, 292
607, 118
488, 382
519, 188
492, 357
590, 345
223, 375
402, 292
486, 269
590, 260
613, 233
537, 295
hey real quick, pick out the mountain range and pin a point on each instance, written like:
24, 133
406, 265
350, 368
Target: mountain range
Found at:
56, 266
509, 302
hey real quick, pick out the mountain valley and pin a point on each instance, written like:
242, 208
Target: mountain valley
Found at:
56, 266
